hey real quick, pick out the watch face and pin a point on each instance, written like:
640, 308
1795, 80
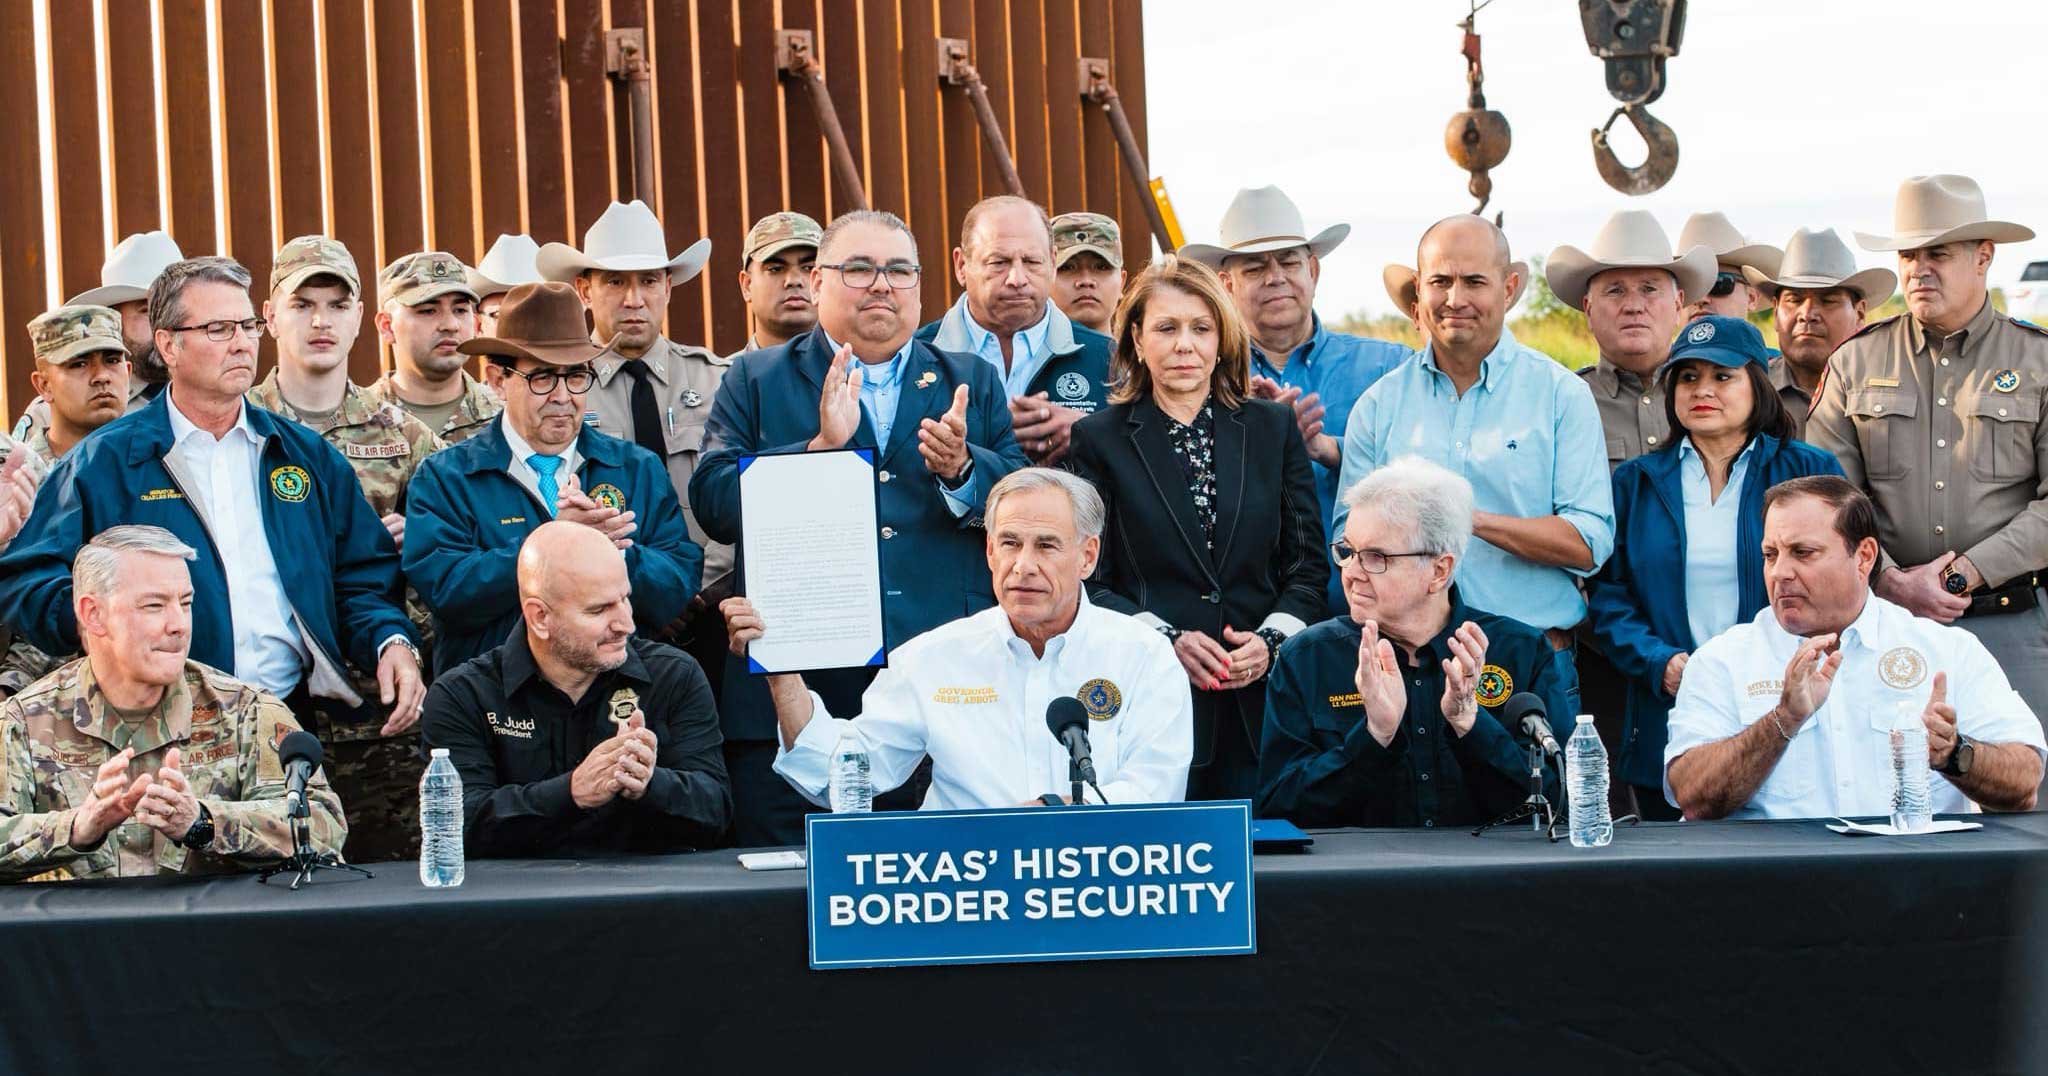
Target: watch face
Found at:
1955, 583
1965, 753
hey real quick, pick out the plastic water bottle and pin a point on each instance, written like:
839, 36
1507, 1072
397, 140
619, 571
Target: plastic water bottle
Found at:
440, 823
1585, 778
1912, 811
852, 787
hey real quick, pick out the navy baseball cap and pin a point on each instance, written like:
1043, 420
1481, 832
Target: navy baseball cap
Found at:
1723, 341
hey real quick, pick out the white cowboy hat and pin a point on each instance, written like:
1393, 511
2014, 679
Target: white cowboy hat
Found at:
130, 268
1262, 219
1730, 249
1631, 239
508, 264
1400, 282
627, 238
1818, 261
1932, 210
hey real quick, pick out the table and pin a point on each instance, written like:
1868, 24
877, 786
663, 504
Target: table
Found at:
1682, 948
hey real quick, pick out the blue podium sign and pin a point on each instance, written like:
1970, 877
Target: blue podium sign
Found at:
1030, 883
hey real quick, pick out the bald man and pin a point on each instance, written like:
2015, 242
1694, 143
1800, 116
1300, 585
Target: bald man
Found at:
574, 738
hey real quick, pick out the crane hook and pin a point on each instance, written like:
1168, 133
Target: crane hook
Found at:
1657, 168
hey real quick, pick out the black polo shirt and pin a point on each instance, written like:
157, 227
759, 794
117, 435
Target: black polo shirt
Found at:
1320, 766
515, 738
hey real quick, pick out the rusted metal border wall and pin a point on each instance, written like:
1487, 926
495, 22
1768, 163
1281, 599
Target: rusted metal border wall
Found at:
401, 124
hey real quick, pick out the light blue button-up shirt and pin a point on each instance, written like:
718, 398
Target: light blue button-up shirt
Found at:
1027, 349
1712, 591
1338, 368
881, 386
1527, 436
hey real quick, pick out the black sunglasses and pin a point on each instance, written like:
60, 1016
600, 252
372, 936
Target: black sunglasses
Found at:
1724, 285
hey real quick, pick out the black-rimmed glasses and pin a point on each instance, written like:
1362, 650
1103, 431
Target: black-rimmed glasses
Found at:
1371, 561
219, 331
543, 382
861, 275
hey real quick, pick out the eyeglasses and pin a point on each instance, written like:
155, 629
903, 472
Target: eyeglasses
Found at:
861, 275
543, 382
1370, 561
1724, 285
223, 330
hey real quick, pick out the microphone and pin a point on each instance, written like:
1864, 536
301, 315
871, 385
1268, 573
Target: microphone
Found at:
1069, 725
1526, 712
300, 754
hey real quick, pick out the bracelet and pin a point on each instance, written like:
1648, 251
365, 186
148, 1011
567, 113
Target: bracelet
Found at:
1172, 633
1772, 713
1273, 638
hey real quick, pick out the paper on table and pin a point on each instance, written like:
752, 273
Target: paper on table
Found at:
1884, 829
813, 569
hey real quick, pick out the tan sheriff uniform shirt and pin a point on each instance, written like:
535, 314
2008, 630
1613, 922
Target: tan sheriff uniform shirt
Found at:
685, 382
1946, 435
1797, 401
1631, 411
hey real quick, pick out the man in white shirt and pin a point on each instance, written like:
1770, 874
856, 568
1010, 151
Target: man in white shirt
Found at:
973, 693
1789, 715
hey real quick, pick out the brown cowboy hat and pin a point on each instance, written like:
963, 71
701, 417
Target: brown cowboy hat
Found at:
1932, 210
542, 322
1400, 282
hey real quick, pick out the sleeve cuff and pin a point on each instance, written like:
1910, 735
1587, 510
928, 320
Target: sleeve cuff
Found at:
1152, 620
1285, 623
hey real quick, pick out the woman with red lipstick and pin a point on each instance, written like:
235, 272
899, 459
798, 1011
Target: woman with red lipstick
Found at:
1214, 536
1688, 530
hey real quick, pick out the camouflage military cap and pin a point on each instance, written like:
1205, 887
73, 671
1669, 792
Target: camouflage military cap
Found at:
67, 332
417, 278
309, 256
778, 232
1073, 233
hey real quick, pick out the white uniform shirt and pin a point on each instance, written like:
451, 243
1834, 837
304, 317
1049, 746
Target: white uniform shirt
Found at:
1840, 763
973, 696
269, 651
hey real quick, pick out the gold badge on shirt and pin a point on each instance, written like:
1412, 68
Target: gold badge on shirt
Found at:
2006, 380
624, 701
1902, 667
1494, 687
1100, 698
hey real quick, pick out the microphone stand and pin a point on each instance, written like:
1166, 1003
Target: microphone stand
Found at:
304, 861
1537, 808
1074, 778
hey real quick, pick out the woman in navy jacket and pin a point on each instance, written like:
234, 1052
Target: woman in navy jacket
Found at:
1688, 530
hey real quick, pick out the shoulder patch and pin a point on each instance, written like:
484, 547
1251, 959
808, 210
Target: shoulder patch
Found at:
2029, 326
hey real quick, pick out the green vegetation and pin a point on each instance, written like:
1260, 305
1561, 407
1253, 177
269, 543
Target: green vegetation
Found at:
1545, 323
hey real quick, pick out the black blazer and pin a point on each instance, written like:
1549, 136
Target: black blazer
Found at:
1270, 556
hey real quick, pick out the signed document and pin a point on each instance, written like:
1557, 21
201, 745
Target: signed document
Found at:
813, 566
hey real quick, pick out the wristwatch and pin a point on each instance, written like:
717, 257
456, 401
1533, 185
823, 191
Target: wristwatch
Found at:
1961, 757
1273, 638
201, 833
1954, 581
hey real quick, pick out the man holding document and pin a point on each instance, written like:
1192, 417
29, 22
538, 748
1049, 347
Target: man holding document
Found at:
974, 693
936, 427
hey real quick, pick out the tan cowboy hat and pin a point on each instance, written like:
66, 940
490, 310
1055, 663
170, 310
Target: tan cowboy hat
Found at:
508, 264
1820, 260
1932, 210
1400, 282
1262, 219
1631, 239
1731, 250
542, 322
129, 270
628, 239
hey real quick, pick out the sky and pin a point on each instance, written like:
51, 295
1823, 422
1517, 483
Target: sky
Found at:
1789, 114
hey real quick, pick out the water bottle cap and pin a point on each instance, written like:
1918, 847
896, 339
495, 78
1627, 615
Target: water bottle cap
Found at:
440, 752
1585, 719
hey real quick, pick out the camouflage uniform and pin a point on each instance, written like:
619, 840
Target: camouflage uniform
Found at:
58, 336
771, 235
1073, 233
416, 278
384, 446
55, 736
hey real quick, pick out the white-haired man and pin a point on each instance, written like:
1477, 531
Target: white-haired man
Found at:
974, 692
1391, 715
137, 760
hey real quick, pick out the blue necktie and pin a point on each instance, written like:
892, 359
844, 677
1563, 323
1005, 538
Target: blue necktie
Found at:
545, 467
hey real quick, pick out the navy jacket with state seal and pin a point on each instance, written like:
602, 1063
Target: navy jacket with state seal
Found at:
335, 558
934, 563
466, 518
1076, 371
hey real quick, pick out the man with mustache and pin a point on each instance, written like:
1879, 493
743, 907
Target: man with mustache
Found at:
314, 312
1055, 372
775, 279
574, 738
1819, 300
938, 424
81, 376
295, 575
124, 289
428, 311
1937, 414
472, 506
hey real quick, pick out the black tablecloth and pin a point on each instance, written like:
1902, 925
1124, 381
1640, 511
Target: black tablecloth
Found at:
1759, 947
